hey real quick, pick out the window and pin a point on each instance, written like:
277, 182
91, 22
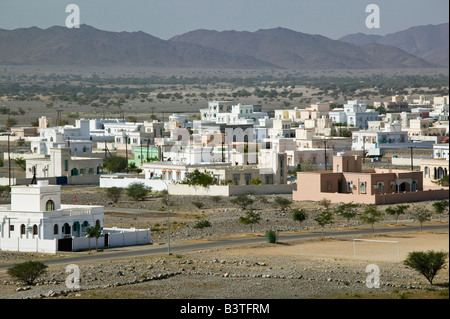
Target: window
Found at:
363, 187
22, 229
380, 187
35, 230
413, 186
329, 185
49, 206
349, 186
55, 229
66, 165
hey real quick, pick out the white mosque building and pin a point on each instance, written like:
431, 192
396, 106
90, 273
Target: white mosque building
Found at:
36, 221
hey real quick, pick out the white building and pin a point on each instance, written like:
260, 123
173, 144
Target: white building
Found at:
441, 151
37, 221
61, 163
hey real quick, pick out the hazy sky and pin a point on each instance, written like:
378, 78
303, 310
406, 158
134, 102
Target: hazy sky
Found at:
167, 18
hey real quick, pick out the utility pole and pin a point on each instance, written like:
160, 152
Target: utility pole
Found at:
364, 150
412, 160
9, 160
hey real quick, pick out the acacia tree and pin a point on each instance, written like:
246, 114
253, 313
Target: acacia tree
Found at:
324, 218
427, 263
347, 211
250, 218
243, 201
441, 207
27, 271
397, 211
421, 214
371, 215
282, 202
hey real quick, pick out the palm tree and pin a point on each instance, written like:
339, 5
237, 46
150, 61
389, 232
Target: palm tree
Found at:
94, 231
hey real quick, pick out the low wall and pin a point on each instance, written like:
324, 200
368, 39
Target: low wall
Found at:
82, 243
127, 237
435, 194
231, 190
83, 180
108, 181
406, 161
29, 245
378, 199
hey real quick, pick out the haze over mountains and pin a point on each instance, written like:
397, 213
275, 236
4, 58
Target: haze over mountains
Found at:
277, 48
429, 42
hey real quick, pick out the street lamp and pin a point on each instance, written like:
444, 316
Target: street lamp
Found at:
168, 218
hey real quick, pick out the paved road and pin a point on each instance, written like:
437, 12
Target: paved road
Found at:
147, 250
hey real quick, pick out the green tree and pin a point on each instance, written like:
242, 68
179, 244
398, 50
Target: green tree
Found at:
250, 218
441, 207
282, 202
371, 215
426, 263
137, 191
243, 201
421, 214
256, 181
114, 193
324, 218
197, 178
347, 211
93, 232
27, 271
397, 211
299, 215
115, 164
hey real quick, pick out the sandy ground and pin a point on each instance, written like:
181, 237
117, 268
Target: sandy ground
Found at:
334, 248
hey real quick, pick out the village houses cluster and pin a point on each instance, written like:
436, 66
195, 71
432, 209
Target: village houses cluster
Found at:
312, 153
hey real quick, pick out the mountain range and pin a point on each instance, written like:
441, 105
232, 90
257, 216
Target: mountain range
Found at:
429, 42
278, 48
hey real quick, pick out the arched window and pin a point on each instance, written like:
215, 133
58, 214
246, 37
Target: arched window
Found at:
49, 206
35, 230
22, 229
55, 229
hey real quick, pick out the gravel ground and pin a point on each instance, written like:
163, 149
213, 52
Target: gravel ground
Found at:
214, 274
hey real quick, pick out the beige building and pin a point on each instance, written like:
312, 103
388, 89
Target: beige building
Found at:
348, 182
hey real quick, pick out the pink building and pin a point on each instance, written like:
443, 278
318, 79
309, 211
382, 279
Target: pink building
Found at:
348, 182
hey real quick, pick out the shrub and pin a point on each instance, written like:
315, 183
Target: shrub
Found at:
282, 202
426, 263
137, 191
114, 193
202, 224
243, 201
299, 215
250, 219
216, 199
198, 204
271, 236
28, 271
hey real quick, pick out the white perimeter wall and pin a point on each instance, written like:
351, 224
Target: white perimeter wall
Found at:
232, 190
29, 245
156, 185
